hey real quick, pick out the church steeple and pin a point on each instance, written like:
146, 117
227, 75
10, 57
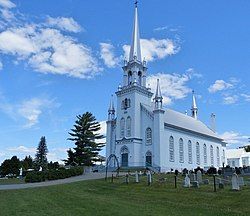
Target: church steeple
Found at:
194, 108
135, 50
111, 111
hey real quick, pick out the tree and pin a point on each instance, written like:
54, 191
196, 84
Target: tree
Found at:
27, 163
71, 158
53, 166
85, 135
247, 148
11, 166
41, 154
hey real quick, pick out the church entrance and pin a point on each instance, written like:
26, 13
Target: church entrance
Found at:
148, 159
124, 159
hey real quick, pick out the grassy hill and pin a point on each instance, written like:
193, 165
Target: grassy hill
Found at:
104, 198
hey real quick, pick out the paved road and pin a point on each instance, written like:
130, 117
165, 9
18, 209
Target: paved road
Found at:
87, 176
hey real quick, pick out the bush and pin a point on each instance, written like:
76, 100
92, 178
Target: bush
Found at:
212, 170
198, 168
60, 173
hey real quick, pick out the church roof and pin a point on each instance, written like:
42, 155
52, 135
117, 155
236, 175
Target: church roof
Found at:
181, 121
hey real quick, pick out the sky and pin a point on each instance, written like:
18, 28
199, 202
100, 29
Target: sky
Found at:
61, 58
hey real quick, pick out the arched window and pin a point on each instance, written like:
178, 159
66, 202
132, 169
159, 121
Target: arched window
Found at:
181, 150
122, 127
148, 136
218, 156
128, 124
198, 160
139, 75
171, 149
212, 155
205, 153
124, 156
129, 77
224, 156
190, 152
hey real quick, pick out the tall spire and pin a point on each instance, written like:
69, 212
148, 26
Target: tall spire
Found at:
111, 111
194, 108
158, 97
135, 50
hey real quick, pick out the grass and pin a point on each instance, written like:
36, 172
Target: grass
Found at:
98, 197
11, 181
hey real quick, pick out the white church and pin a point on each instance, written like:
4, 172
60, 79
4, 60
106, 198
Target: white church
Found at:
141, 133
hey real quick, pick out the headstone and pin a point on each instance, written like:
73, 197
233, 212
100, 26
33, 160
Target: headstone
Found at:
195, 184
186, 181
127, 178
149, 176
199, 177
192, 177
221, 184
136, 177
21, 171
206, 181
241, 181
235, 182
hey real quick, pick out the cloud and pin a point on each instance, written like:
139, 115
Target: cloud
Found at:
153, 49
246, 97
219, 85
22, 149
173, 86
107, 55
232, 137
64, 23
7, 4
230, 99
32, 109
47, 48
103, 131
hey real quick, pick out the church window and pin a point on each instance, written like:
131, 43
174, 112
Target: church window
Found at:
148, 136
122, 127
198, 160
140, 77
130, 77
218, 156
128, 127
171, 149
224, 157
212, 155
126, 103
181, 150
189, 151
205, 153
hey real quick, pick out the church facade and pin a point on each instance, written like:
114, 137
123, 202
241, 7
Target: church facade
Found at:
141, 133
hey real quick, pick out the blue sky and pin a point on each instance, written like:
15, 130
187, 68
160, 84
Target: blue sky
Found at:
61, 58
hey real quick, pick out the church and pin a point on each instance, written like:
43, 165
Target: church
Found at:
141, 133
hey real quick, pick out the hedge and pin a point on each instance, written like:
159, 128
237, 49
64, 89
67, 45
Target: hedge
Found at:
62, 173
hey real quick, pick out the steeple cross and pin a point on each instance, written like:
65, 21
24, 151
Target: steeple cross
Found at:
136, 2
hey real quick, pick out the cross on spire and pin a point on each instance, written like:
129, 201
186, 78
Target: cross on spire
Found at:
136, 2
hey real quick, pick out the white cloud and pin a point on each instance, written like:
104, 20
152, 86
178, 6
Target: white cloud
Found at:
246, 97
7, 4
173, 86
230, 99
219, 85
107, 55
33, 108
22, 149
103, 131
153, 49
232, 137
162, 28
64, 23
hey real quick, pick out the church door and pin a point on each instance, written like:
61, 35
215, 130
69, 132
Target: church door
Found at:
124, 159
148, 160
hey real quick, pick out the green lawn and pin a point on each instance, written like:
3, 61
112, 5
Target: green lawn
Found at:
11, 181
104, 198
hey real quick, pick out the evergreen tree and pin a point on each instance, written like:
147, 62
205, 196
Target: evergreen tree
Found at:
41, 154
10, 166
71, 158
85, 135
27, 163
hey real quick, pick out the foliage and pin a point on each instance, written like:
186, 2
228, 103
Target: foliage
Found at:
85, 136
71, 158
198, 168
27, 163
52, 165
212, 170
247, 148
10, 167
36, 176
41, 154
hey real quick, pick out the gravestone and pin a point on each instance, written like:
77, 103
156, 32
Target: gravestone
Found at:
149, 177
199, 177
136, 177
192, 177
221, 184
195, 184
235, 182
186, 181
206, 181
241, 181
127, 178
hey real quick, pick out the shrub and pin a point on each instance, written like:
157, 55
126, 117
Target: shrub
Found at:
198, 168
212, 170
61, 173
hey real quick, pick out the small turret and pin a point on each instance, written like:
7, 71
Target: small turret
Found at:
111, 111
158, 97
213, 122
194, 108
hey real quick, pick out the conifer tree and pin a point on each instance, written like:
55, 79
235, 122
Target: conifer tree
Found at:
85, 135
41, 154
